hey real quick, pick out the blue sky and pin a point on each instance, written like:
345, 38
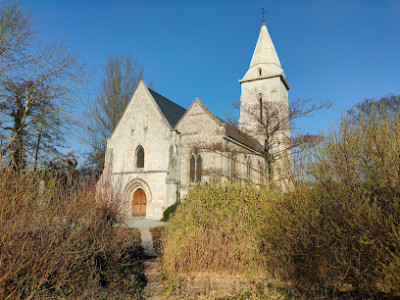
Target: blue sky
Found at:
338, 50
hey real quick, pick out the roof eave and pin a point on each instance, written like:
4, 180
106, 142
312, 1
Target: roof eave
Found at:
267, 77
239, 143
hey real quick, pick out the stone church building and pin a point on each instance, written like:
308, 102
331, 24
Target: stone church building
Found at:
159, 149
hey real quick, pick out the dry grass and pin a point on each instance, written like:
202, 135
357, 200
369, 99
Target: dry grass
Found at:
57, 241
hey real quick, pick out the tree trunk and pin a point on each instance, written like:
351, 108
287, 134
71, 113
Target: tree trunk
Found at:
37, 147
268, 168
18, 132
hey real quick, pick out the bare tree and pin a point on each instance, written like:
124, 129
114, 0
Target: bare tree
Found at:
371, 107
37, 85
274, 125
16, 35
49, 136
121, 77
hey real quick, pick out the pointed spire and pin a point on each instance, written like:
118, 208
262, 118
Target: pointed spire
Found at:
265, 52
265, 61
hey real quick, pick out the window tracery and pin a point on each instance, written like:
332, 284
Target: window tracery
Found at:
195, 168
248, 164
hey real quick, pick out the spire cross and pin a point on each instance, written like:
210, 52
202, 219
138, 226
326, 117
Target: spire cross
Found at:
262, 13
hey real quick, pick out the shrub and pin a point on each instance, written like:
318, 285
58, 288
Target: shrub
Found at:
57, 241
218, 228
157, 234
170, 211
340, 226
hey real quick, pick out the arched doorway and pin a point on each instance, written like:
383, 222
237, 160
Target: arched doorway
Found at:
139, 203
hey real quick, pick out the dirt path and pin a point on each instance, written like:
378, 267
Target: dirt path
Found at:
152, 264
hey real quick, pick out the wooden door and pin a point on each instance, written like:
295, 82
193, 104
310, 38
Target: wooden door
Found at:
139, 203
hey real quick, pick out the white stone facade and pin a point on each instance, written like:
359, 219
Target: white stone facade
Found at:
183, 147
142, 124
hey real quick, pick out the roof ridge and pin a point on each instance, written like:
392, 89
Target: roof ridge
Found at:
165, 98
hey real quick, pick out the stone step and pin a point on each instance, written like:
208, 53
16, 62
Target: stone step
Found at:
154, 276
152, 265
154, 289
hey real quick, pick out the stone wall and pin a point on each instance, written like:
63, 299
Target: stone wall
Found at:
143, 124
218, 285
201, 130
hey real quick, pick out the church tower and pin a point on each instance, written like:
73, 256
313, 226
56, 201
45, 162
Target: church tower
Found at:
264, 92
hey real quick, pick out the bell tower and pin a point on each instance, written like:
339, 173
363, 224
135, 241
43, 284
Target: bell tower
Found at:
264, 90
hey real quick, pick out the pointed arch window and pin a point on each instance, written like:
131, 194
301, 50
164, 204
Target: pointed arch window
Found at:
234, 171
139, 157
260, 101
248, 168
259, 72
195, 162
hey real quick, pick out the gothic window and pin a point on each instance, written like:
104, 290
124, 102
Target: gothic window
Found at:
248, 168
198, 168
259, 72
139, 157
233, 166
260, 100
195, 162
263, 171
192, 168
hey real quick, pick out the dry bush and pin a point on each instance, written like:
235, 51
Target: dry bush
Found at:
157, 234
340, 226
57, 241
218, 229
337, 231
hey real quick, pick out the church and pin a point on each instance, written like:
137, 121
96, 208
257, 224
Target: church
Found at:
159, 149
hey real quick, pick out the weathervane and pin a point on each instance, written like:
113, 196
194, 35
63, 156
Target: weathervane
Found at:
262, 12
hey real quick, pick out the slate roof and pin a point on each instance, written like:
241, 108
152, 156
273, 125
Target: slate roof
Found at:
243, 138
172, 111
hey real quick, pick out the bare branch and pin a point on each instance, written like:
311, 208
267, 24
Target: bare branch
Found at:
121, 77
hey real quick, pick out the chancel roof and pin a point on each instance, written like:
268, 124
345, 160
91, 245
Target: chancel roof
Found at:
242, 137
172, 111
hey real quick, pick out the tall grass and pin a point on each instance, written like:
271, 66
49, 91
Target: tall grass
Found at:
56, 240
